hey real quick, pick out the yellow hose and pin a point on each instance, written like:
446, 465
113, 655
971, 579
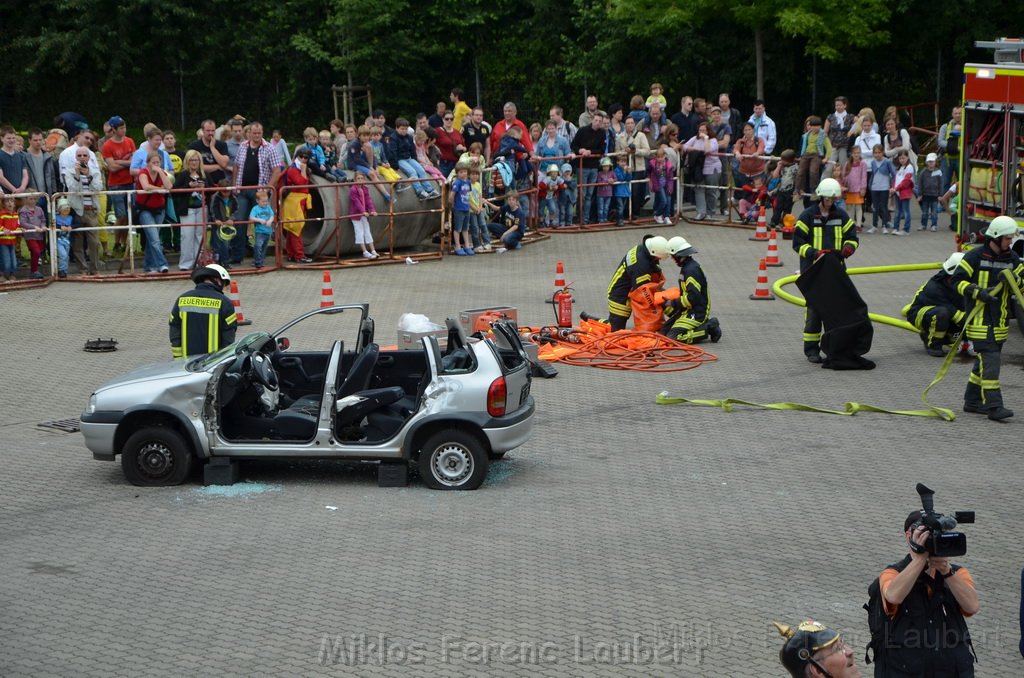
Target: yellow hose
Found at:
877, 317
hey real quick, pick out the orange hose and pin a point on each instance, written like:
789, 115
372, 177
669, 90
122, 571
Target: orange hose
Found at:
629, 350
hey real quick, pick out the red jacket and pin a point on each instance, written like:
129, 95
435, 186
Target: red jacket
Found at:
499, 131
9, 221
905, 188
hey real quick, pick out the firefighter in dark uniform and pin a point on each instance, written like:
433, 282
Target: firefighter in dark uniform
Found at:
822, 229
978, 273
688, 318
937, 311
203, 319
639, 267
813, 651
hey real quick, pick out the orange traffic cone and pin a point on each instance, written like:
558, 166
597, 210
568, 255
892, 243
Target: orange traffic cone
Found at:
762, 227
773, 251
236, 301
327, 292
761, 290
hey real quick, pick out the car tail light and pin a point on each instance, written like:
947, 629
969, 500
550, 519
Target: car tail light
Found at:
497, 395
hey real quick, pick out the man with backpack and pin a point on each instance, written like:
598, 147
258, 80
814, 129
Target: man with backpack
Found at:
916, 613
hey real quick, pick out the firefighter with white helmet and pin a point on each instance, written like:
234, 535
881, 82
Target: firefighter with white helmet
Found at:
937, 310
203, 319
975, 279
821, 230
688, 318
640, 266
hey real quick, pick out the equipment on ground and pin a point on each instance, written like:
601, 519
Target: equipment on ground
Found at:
562, 304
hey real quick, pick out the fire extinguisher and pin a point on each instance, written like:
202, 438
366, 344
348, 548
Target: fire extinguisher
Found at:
562, 303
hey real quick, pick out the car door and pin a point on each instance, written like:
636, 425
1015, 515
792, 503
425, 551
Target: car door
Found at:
302, 358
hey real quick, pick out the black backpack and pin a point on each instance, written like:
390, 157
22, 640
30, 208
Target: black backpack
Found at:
878, 620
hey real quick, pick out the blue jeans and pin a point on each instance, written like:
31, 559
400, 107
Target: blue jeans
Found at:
478, 230
153, 259
902, 213
947, 168
119, 202
589, 177
63, 253
603, 201
414, 170
510, 241
662, 205
259, 248
460, 221
246, 201
8, 260
566, 203
549, 213
929, 205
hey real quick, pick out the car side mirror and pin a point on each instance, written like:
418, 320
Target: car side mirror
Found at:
283, 343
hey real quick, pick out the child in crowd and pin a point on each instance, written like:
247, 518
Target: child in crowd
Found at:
661, 177
405, 152
317, 158
9, 225
883, 174
477, 219
459, 203
656, 97
262, 216
359, 158
605, 181
64, 223
474, 157
223, 206
351, 133
755, 196
380, 158
853, 177
781, 186
360, 206
330, 153
423, 157
903, 188
567, 198
33, 226
814, 149
622, 188
508, 147
548, 188
511, 226
928, 189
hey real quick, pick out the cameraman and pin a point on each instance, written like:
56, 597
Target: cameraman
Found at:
926, 599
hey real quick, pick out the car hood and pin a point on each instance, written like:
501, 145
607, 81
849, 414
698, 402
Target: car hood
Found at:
156, 371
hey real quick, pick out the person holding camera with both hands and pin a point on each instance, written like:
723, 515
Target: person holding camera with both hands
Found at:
926, 599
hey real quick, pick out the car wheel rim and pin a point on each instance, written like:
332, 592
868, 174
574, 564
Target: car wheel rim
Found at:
155, 460
451, 464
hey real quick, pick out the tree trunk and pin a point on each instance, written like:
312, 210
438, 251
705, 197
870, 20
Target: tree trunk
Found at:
759, 62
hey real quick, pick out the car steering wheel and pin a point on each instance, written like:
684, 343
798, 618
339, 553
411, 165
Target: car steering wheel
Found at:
262, 371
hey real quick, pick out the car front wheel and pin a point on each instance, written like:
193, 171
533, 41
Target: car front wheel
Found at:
453, 460
155, 457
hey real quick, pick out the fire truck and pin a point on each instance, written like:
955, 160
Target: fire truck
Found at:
991, 164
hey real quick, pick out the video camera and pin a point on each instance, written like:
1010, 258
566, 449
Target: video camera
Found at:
942, 542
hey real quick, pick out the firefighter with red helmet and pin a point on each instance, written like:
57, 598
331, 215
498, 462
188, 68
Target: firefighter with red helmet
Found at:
688, 318
640, 266
203, 319
975, 279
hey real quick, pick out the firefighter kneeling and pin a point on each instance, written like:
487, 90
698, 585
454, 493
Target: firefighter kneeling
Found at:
688, 318
937, 311
639, 268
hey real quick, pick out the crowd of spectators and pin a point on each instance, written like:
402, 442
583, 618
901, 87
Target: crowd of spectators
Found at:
622, 162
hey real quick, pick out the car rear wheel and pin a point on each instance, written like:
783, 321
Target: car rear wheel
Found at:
155, 457
453, 460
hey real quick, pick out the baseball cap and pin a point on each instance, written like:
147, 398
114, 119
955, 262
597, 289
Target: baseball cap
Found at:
931, 157
116, 121
566, 167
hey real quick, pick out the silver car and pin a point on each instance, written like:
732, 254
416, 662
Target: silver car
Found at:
449, 410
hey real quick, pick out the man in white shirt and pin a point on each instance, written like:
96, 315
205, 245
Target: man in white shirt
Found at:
84, 139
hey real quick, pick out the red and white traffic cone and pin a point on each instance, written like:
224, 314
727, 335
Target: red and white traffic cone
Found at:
761, 291
327, 291
762, 227
773, 251
559, 281
236, 301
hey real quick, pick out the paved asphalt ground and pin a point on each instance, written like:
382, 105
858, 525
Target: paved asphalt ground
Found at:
626, 538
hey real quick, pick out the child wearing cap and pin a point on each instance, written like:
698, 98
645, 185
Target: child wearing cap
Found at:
567, 198
605, 180
549, 187
928, 189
